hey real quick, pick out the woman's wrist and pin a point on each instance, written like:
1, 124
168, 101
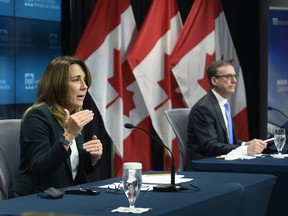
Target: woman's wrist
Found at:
65, 141
68, 136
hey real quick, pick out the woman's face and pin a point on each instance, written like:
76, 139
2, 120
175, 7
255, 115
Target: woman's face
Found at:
77, 87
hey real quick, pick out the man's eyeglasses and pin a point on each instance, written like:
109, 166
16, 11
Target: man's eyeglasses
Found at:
228, 76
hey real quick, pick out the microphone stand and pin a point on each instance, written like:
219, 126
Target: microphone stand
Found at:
271, 108
165, 187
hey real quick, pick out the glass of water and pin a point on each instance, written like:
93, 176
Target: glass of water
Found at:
132, 181
280, 140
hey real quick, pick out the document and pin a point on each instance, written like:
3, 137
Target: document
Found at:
163, 179
150, 180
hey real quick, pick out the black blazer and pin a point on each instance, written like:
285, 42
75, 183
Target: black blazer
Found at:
44, 162
207, 134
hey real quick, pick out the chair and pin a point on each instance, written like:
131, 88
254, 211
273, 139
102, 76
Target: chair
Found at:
9, 154
178, 119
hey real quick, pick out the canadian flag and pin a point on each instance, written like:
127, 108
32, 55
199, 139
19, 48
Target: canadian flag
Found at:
104, 45
149, 60
204, 38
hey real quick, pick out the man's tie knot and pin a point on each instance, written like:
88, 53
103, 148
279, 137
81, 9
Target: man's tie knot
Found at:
227, 106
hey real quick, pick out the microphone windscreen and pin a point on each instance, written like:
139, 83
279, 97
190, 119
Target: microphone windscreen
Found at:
128, 125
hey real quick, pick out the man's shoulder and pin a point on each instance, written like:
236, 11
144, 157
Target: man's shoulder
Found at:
206, 104
205, 100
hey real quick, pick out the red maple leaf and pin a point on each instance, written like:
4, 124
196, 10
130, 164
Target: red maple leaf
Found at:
122, 78
170, 86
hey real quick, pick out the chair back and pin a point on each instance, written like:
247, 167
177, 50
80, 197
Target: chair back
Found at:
9, 153
178, 119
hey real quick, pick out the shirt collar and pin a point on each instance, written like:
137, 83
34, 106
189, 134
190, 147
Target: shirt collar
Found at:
219, 98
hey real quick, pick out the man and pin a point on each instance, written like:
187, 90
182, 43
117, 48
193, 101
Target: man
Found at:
209, 126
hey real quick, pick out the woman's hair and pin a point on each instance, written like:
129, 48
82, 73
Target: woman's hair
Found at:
214, 67
53, 86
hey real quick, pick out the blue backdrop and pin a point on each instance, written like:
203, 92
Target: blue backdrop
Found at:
277, 68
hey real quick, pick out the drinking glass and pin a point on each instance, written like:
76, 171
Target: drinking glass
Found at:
279, 140
132, 181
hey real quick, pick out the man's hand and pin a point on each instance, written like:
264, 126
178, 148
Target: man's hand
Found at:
255, 146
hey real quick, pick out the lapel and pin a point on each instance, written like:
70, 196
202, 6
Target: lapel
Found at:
59, 131
219, 114
79, 143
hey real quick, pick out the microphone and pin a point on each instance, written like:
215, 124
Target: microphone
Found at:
162, 188
271, 108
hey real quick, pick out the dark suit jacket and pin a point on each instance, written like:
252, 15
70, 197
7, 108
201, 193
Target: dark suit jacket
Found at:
44, 161
207, 134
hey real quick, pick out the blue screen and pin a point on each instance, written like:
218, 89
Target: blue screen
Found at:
29, 40
39, 9
277, 68
7, 75
38, 45
7, 7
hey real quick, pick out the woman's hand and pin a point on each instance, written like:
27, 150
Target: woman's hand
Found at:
76, 122
94, 147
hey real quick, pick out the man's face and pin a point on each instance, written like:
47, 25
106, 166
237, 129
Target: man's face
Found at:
225, 81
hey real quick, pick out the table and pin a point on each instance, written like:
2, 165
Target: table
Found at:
220, 194
267, 165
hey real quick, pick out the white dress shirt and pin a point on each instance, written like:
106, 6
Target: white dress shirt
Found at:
74, 158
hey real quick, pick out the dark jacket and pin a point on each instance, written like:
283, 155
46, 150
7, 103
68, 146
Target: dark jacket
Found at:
207, 134
44, 162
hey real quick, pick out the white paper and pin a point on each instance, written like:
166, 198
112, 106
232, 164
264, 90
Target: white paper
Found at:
128, 210
144, 187
279, 156
239, 153
163, 179
151, 180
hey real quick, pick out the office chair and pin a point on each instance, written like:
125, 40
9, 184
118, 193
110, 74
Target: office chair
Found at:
178, 119
9, 154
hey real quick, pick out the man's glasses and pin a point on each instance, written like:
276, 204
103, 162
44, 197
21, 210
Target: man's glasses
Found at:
228, 76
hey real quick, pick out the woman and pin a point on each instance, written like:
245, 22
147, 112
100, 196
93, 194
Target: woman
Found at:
53, 152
